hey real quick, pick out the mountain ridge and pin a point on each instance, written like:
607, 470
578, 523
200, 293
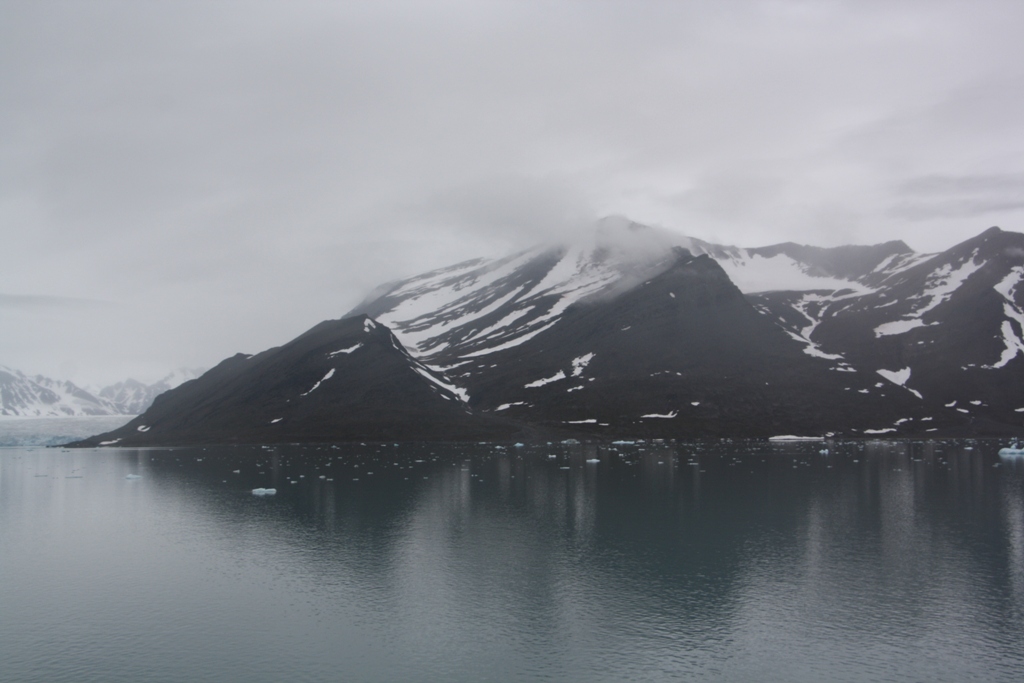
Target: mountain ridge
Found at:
634, 331
24, 396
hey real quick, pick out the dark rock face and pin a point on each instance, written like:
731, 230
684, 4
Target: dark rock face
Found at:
342, 380
953, 323
639, 336
682, 355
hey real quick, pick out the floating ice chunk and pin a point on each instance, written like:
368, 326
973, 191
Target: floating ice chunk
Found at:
665, 416
133, 476
276, 419
348, 350
548, 380
880, 431
790, 437
143, 428
518, 445
950, 404
694, 403
581, 422
593, 461
264, 492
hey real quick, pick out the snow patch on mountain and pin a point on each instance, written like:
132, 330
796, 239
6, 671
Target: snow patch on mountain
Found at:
1013, 338
330, 374
898, 327
944, 281
899, 377
779, 273
580, 364
547, 380
346, 351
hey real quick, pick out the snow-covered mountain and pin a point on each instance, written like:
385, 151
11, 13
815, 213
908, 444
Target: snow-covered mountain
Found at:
474, 308
22, 395
943, 328
133, 397
632, 330
38, 396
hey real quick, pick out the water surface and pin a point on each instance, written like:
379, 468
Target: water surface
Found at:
720, 561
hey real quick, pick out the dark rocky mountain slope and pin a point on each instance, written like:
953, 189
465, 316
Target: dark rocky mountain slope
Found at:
341, 380
632, 331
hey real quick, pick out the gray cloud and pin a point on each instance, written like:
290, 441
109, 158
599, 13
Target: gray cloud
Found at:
968, 196
32, 302
944, 185
229, 174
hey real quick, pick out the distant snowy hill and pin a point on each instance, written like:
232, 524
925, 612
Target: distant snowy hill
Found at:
636, 331
133, 397
38, 396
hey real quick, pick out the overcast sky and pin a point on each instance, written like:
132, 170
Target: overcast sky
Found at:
180, 181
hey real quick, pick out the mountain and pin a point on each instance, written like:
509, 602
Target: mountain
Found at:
635, 331
342, 379
949, 327
38, 396
133, 397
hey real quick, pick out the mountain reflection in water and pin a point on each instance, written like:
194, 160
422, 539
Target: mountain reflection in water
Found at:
730, 561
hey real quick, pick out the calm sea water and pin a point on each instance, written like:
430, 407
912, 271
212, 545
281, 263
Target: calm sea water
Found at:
714, 562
